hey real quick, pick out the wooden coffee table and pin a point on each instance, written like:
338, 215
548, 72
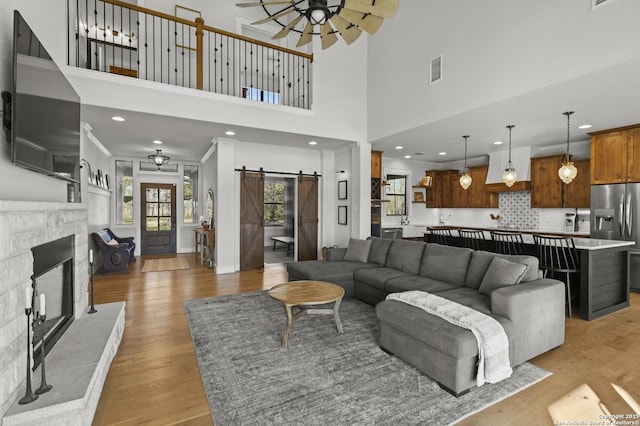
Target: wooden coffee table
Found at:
300, 295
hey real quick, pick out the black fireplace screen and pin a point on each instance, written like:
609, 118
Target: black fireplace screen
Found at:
53, 277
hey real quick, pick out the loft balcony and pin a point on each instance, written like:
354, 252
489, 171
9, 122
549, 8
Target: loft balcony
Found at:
121, 38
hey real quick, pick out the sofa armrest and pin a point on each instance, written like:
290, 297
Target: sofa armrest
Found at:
335, 253
537, 311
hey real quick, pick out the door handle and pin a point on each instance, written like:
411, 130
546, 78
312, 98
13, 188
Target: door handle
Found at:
622, 216
629, 216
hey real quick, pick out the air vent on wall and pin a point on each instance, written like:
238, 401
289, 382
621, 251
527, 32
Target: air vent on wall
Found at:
436, 69
596, 3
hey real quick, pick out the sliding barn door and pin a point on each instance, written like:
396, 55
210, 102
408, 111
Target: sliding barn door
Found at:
307, 217
251, 221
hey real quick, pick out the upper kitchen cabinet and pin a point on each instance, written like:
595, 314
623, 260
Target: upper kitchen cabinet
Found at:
376, 164
577, 194
457, 196
434, 193
479, 196
615, 155
547, 190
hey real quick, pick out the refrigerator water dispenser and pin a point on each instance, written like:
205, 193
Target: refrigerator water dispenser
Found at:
603, 220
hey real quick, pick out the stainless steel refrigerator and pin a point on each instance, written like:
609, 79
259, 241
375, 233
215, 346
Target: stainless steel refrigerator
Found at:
615, 215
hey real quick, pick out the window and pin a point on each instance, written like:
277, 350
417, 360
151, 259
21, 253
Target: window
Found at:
396, 195
190, 194
124, 192
274, 203
260, 95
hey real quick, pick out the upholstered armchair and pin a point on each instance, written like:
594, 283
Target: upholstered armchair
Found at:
116, 251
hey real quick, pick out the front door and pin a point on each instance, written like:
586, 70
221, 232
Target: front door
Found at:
158, 221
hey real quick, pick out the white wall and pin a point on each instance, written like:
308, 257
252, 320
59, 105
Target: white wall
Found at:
548, 41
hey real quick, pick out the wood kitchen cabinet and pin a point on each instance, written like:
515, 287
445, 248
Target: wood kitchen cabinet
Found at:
479, 196
458, 197
615, 155
433, 194
548, 191
445, 190
376, 164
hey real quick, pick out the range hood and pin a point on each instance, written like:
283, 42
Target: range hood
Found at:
520, 158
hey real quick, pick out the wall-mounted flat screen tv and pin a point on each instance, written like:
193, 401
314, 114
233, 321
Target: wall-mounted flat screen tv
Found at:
45, 124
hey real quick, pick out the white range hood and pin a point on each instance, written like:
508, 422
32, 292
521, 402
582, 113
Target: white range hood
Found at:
520, 158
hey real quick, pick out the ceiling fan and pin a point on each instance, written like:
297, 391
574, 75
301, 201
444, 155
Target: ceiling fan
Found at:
345, 17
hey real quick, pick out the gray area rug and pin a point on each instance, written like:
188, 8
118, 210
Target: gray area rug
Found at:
322, 377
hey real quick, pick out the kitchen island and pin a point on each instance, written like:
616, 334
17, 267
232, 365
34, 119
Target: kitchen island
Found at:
604, 283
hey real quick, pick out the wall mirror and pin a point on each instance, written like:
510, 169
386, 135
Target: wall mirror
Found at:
209, 208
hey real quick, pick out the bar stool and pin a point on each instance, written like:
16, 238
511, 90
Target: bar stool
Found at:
472, 239
441, 235
508, 242
558, 255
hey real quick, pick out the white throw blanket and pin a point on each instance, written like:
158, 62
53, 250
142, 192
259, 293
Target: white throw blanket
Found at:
493, 344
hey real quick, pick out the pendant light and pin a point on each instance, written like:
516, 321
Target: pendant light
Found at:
509, 176
465, 179
568, 171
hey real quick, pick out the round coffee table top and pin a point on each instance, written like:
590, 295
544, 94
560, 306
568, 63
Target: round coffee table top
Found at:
306, 292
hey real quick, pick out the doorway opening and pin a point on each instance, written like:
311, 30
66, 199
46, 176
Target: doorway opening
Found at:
279, 220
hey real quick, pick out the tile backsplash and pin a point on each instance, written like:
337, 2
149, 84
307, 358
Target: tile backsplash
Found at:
515, 210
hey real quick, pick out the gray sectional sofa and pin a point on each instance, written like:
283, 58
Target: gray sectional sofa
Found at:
530, 308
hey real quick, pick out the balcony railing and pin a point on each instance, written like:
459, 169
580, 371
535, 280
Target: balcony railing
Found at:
122, 38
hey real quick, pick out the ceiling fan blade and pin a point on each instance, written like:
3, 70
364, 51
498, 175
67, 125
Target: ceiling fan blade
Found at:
285, 31
306, 36
266, 3
369, 23
327, 37
276, 16
349, 33
381, 8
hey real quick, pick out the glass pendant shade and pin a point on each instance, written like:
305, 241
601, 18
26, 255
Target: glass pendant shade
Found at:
567, 171
465, 181
509, 176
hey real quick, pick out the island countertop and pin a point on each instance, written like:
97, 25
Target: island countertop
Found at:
581, 242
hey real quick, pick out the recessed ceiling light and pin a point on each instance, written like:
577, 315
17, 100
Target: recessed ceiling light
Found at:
313, 143
157, 142
399, 147
498, 143
442, 153
407, 156
585, 126
230, 133
117, 118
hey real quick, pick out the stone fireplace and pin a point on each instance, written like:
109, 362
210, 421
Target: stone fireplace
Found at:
24, 226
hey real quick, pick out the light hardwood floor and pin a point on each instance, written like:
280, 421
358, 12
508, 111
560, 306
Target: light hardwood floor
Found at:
154, 378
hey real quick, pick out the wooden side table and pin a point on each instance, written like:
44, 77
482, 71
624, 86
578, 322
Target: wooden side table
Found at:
298, 296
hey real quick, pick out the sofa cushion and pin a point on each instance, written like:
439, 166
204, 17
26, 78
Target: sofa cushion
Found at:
416, 282
446, 263
379, 250
405, 256
377, 277
480, 261
501, 273
358, 250
468, 297
335, 272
